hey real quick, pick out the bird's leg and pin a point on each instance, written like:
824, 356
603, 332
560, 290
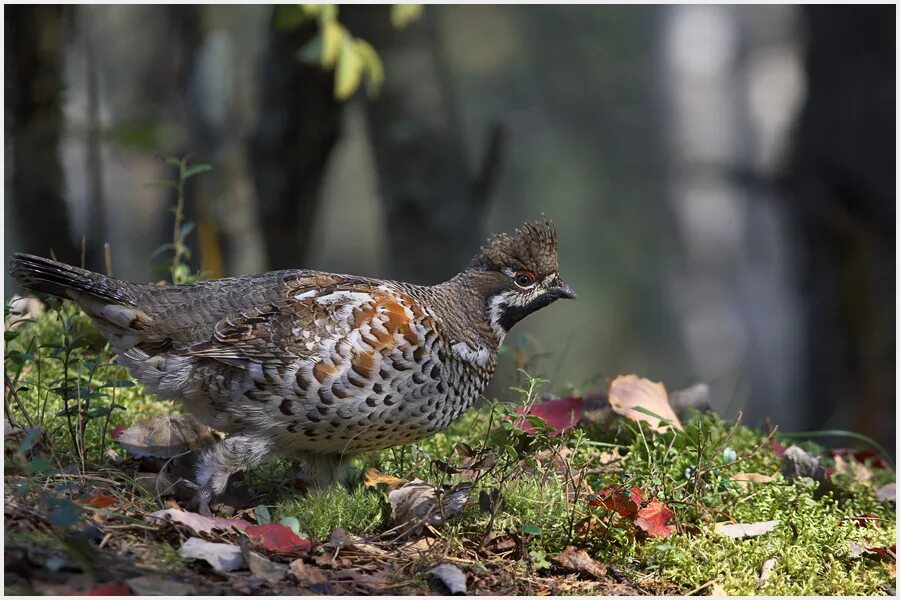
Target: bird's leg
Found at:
323, 469
217, 464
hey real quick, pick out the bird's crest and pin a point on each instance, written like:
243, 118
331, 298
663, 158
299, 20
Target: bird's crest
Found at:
532, 246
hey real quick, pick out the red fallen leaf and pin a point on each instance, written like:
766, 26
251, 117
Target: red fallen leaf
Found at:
892, 551
560, 413
636, 496
117, 431
277, 538
777, 448
614, 498
653, 518
113, 588
98, 501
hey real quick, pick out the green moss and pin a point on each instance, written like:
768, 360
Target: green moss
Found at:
357, 510
810, 545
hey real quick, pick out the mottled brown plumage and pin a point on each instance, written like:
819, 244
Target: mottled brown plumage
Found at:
311, 365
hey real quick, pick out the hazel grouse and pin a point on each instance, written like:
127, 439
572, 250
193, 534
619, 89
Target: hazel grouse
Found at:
315, 366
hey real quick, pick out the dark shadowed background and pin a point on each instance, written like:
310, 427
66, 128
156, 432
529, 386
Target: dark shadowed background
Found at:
722, 178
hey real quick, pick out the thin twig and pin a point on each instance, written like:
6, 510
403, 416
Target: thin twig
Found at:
15, 395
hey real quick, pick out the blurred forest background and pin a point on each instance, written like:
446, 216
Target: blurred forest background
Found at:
722, 178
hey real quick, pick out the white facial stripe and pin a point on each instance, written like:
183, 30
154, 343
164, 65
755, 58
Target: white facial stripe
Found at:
495, 313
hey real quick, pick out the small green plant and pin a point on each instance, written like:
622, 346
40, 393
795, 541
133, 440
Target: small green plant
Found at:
61, 376
178, 268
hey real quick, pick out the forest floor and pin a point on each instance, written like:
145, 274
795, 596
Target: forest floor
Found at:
628, 492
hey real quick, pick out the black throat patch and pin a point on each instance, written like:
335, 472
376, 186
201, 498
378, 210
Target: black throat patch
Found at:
510, 314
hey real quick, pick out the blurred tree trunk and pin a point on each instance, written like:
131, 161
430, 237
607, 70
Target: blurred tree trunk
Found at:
189, 30
298, 125
185, 33
34, 88
221, 116
434, 206
842, 181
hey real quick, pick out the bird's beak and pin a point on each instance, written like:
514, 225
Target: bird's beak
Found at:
566, 291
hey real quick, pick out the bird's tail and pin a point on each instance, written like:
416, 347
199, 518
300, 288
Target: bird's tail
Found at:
47, 276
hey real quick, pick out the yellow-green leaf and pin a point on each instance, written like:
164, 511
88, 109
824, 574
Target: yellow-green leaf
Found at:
404, 14
374, 70
349, 71
333, 35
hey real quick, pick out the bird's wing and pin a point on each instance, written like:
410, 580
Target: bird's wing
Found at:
348, 323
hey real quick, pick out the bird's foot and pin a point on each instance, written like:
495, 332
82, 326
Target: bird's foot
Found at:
202, 498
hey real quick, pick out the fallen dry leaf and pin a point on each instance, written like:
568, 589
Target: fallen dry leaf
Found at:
502, 542
590, 526
717, 590
629, 392
766, 572
165, 436
745, 479
374, 478
341, 539
98, 501
451, 576
374, 582
277, 538
416, 502
887, 493
159, 585
616, 499
579, 561
262, 567
112, 588
892, 551
856, 550
848, 465
559, 413
869, 457
607, 458
221, 557
742, 530
196, 522
653, 519
308, 574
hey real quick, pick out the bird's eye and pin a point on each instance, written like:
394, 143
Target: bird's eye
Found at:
524, 279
